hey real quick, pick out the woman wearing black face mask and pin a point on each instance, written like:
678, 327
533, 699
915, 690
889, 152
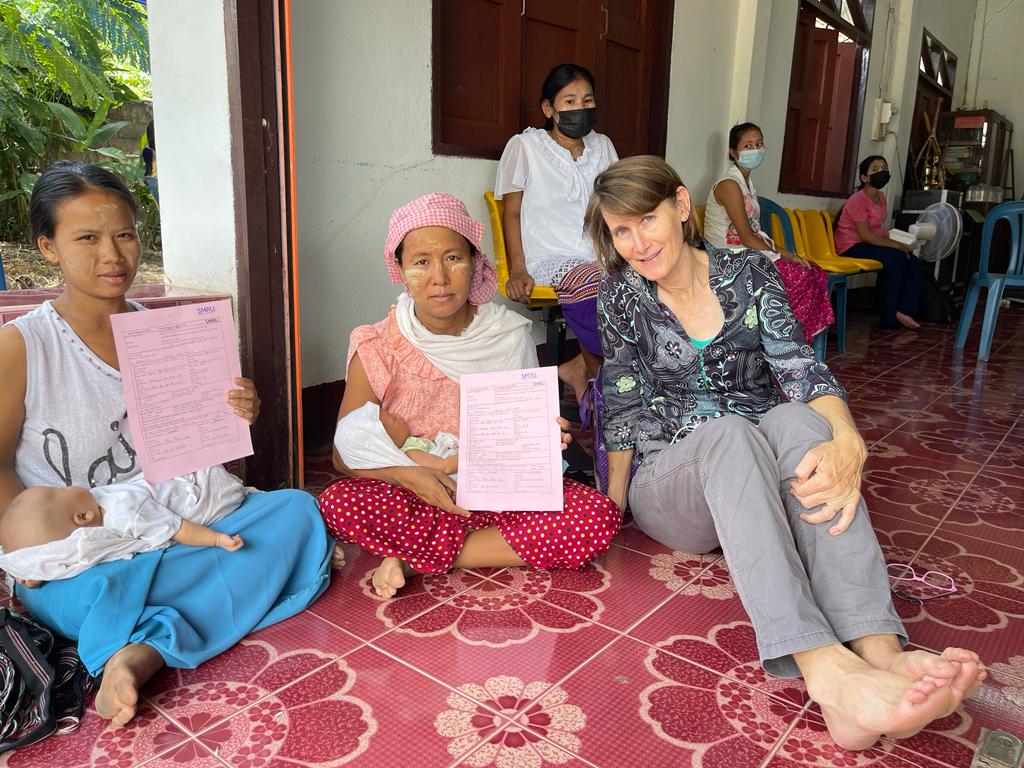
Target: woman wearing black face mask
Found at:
860, 234
545, 177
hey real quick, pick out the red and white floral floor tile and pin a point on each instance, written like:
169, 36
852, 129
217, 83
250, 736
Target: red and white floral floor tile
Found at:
644, 658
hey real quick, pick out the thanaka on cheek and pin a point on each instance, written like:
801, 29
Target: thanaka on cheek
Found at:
415, 277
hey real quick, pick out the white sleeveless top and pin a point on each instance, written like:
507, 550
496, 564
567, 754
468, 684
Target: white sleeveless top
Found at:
75, 430
556, 190
719, 230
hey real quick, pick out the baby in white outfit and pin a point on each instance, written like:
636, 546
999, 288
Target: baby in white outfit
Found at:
51, 533
371, 437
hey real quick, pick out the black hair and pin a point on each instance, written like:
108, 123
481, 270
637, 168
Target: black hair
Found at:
151, 135
866, 163
737, 131
401, 246
557, 79
61, 182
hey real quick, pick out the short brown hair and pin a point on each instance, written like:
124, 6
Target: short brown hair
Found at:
631, 187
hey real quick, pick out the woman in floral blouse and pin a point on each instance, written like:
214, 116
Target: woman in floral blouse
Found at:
692, 338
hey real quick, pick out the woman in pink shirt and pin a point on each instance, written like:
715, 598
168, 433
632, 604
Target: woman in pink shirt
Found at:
860, 234
444, 325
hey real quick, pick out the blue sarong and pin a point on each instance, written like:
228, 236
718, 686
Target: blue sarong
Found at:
192, 603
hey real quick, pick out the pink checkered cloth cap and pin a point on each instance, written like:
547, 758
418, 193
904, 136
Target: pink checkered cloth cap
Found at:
440, 210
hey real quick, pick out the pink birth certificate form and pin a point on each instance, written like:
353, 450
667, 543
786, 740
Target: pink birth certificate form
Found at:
510, 447
177, 365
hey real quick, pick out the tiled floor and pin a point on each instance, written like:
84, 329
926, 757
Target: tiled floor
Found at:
644, 658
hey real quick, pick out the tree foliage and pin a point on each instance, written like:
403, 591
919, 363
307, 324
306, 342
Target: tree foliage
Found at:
59, 67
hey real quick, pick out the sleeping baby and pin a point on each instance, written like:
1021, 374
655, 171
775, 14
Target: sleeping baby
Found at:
51, 533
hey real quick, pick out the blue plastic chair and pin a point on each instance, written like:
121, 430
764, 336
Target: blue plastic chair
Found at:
1013, 213
3, 278
836, 280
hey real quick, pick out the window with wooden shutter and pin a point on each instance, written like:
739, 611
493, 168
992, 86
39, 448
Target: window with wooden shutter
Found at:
491, 58
826, 96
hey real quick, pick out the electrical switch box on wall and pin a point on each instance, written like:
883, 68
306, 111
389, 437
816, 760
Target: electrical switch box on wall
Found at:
880, 119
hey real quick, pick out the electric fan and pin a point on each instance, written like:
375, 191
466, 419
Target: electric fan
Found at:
935, 235
940, 227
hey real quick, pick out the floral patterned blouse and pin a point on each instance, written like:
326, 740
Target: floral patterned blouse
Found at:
658, 387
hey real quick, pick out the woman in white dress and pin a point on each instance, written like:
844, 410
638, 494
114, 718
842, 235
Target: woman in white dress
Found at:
545, 177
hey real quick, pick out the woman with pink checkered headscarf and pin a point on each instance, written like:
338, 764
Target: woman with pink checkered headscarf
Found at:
442, 326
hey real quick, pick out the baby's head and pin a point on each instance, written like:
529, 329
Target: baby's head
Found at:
395, 426
42, 514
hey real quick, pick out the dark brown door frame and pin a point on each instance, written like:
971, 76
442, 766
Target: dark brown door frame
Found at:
260, 157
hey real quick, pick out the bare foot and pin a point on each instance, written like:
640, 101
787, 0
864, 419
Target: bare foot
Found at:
956, 666
885, 652
125, 673
390, 576
972, 672
338, 557
907, 321
860, 705
228, 542
574, 373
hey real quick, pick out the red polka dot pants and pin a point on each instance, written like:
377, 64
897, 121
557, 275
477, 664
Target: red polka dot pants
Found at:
393, 522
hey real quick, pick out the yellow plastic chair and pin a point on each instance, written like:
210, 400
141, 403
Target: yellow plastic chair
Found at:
771, 214
821, 244
868, 265
798, 235
833, 266
542, 298
542, 295
698, 219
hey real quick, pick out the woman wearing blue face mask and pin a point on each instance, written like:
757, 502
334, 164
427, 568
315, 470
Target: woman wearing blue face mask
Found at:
545, 177
732, 220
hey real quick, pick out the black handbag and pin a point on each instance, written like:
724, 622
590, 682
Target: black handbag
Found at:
44, 682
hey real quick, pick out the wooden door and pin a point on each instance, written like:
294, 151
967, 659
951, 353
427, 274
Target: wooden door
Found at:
477, 61
624, 63
553, 34
817, 113
808, 117
491, 58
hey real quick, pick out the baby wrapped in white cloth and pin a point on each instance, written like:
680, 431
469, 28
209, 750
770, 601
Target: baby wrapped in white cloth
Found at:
371, 437
56, 533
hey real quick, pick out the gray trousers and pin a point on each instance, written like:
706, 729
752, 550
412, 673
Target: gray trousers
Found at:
727, 484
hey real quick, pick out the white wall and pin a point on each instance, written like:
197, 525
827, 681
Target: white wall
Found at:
704, 52
190, 113
999, 72
362, 134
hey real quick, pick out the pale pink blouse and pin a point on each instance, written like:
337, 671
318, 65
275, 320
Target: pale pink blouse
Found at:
404, 380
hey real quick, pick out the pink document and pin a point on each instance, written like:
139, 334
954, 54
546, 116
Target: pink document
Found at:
510, 448
177, 365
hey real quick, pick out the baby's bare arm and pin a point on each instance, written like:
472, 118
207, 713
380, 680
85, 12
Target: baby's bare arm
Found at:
195, 535
449, 465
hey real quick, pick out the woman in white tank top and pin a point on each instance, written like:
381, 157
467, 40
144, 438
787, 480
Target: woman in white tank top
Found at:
63, 423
